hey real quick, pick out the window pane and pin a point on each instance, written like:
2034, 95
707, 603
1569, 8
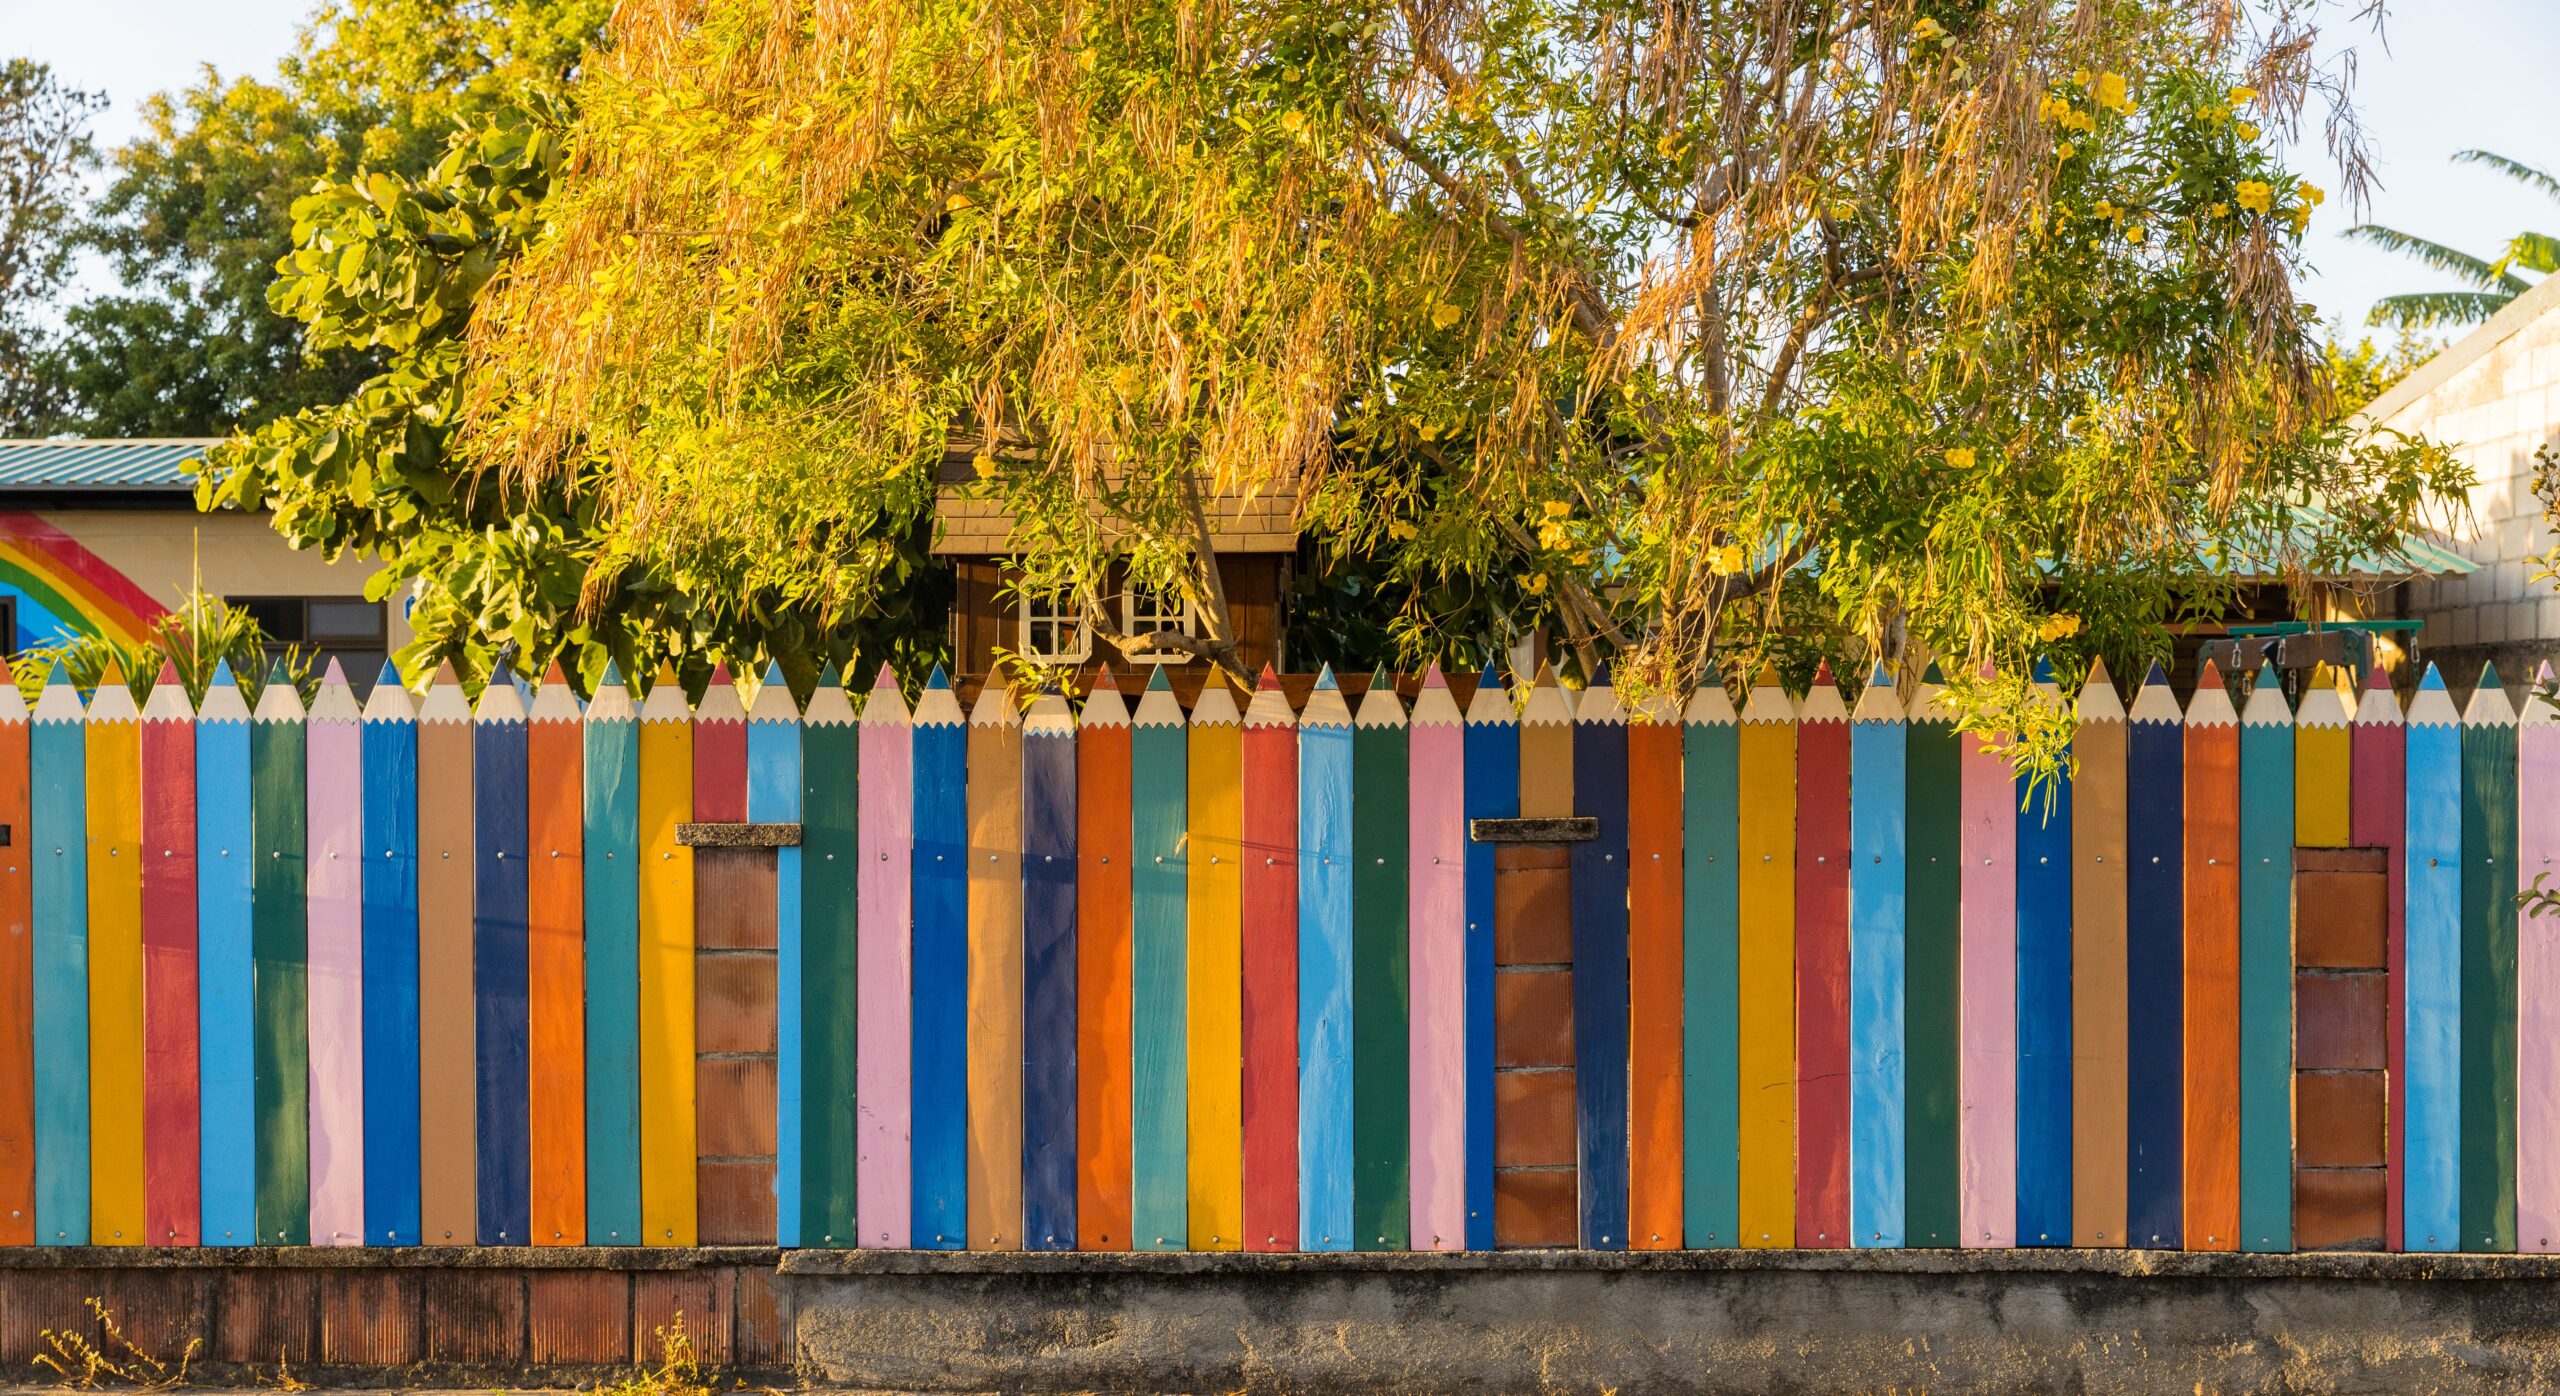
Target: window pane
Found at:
346, 620
279, 617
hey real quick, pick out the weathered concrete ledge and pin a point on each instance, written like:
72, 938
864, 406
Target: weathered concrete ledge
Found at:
1707, 1321
623, 1258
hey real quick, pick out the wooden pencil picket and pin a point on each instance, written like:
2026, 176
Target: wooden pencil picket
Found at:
1051, 974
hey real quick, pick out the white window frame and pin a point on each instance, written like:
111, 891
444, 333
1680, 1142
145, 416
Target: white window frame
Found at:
1157, 617
1033, 611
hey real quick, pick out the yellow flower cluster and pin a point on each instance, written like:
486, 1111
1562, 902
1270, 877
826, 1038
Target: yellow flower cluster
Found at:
2061, 625
1728, 561
2113, 95
1961, 457
2057, 110
2256, 195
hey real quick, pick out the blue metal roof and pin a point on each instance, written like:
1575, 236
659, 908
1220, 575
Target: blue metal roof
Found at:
99, 465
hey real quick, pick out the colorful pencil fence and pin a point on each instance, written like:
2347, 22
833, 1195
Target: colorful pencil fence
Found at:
1053, 976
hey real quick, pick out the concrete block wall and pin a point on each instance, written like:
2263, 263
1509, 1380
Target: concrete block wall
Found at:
2493, 397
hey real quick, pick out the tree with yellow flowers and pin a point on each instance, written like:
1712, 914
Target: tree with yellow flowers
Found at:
1646, 326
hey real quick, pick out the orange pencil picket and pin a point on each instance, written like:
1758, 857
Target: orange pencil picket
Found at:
2213, 968
1655, 966
555, 924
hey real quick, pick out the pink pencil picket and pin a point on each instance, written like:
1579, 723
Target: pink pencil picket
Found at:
1988, 1036
884, 1167
1437, 891
334, 886
2538, 978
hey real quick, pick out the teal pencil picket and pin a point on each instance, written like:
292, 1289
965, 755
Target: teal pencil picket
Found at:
2266, 968
1932, 966
830, 829
613, 963
1711, 911
2489, 937
281, 947
1159, 898
1381, 974
57, 757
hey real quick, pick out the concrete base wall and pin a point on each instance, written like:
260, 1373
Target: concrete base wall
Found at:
1539, 1321
1764, 1322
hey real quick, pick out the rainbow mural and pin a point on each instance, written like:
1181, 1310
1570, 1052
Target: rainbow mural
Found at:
63, 589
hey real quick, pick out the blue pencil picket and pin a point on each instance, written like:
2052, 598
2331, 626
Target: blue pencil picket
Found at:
498, 949
2432, 1174
774, 786
225, 968
941, 1021
612, 816
2155, 982
1878, 761
57, 764
2044, 1004
1492, 792
1600, 1008
1049, 974
1324, 968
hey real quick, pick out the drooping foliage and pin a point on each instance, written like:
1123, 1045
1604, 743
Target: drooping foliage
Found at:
390, 268
1961, 328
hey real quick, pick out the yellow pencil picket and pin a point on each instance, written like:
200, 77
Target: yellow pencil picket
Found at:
115, 966
1216, 892
1766, 779
666, 968
2323, 746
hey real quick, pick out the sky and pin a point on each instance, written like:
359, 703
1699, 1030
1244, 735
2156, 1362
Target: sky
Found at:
2444, 75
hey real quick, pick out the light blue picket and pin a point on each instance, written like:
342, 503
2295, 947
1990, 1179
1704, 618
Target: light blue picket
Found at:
2432, 1176
58, 843
1324, 969
1877, 749
773, 797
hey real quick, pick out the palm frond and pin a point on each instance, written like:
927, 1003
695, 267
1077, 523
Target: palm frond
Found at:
2535, 252
2451, 261
2431, 309
2516, 170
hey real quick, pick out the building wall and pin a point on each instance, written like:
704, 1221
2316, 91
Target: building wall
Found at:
984, 619
2494, 397
114, 571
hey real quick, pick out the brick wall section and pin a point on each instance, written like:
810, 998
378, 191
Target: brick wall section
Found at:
1533, 1142
459, 1315
734, 1039
2341, 904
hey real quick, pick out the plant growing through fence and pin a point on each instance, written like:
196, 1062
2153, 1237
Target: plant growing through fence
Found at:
77, 1361
204, 632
